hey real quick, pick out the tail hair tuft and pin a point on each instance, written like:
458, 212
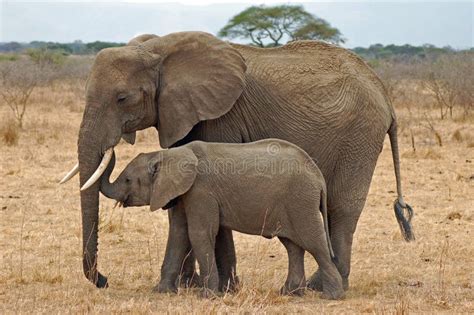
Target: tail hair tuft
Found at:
404, 215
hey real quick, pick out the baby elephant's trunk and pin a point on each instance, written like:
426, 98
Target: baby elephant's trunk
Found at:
106, 187
324, 211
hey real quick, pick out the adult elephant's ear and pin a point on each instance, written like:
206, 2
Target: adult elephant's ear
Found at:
174, 172
201, 77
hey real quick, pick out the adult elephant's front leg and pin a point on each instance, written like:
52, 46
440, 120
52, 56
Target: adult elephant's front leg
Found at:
226, 260
179, 261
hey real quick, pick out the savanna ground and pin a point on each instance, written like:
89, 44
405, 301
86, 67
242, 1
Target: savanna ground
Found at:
40, 228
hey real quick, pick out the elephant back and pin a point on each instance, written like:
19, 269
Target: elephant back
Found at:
307, 64
324, 78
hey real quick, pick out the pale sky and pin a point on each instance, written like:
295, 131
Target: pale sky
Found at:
362, 23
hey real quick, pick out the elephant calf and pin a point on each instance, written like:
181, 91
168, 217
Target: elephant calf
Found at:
269, 187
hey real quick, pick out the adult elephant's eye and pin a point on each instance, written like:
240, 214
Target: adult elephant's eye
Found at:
121, 99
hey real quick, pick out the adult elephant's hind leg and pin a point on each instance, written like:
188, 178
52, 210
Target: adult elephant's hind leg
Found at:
347, 192
342, 226
188, 277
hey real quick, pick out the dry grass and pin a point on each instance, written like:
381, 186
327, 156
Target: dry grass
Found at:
40, 231
10, 133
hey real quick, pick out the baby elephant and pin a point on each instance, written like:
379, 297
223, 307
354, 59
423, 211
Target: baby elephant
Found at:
269, 187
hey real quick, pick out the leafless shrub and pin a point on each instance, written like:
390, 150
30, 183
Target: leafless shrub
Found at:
394, 75
76, 68
446, 79
73, 76
428, 123
449, 80
18, 79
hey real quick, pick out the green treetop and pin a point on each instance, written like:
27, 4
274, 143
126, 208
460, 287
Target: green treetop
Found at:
272, 26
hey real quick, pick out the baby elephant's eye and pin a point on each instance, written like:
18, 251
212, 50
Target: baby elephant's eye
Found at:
128, 180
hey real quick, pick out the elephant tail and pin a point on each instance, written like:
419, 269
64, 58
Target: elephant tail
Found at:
324, 212
403, 211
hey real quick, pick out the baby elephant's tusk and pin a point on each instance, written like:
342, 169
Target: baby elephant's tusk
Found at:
71, 174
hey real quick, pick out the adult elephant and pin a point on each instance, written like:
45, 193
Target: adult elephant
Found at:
192, 86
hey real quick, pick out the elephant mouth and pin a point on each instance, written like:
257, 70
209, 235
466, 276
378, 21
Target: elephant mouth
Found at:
124, 202
131, 125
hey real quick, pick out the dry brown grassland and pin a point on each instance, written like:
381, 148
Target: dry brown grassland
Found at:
40, 230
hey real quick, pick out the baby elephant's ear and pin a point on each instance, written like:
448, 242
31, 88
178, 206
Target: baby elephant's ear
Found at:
174, 173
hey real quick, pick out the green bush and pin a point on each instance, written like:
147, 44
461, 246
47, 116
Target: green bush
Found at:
8, 57
44, 56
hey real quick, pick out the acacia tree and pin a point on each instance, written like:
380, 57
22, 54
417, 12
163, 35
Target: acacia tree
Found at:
270, 26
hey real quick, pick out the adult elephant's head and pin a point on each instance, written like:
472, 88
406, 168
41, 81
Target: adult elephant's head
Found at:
169, 82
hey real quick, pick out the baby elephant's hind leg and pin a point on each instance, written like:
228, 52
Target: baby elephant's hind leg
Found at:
313, 239
295, 282
331, 278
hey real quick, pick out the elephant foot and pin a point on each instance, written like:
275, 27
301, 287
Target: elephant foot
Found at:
165, 287
333, 289
229, 284
333, 295
292, 291
191, 280
331, 283
315, 282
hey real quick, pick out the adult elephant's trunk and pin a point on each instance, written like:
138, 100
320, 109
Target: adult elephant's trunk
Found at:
90, 156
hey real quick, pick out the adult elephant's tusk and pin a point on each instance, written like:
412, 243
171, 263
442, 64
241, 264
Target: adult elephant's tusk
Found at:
71, 174
100, 170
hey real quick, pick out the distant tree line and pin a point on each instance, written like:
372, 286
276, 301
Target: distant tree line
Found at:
403, 52
373, 52
75, 48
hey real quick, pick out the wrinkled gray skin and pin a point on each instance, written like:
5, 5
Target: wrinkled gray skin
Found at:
193, 86
268, 187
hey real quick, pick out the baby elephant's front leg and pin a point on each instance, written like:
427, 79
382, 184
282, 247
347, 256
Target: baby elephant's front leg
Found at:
204, 251
203, 225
